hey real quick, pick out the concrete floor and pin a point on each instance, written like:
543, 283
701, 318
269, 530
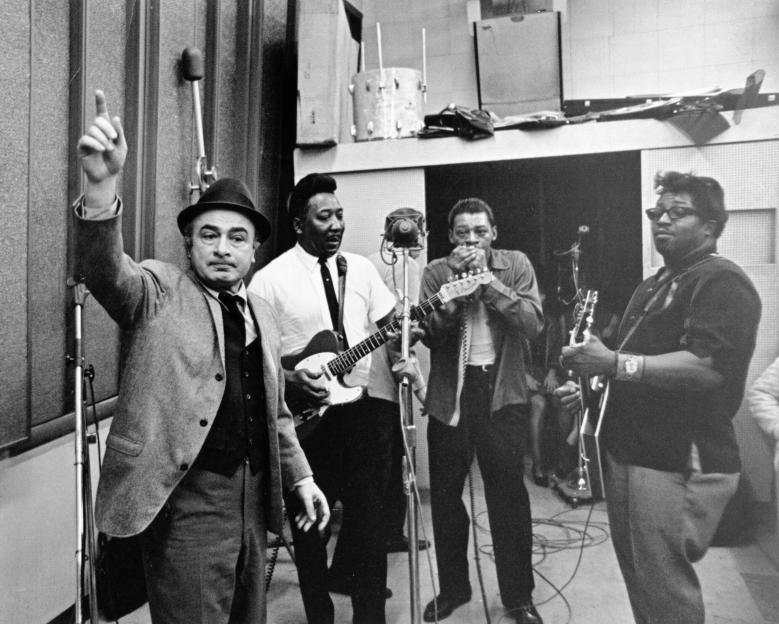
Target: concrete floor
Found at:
577, 578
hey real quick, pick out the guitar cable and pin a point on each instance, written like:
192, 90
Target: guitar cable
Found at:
592, 533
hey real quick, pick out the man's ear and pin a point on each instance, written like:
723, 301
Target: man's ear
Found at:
494, 233
710, 227
297, 225
452, 239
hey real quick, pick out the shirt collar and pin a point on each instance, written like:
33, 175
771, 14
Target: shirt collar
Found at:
310, 262
240, 293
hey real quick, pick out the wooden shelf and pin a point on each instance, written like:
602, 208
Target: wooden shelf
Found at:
757, 124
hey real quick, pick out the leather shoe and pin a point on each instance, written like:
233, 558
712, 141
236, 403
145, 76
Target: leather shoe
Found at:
341, 585
400, 544
526, 614
446, 604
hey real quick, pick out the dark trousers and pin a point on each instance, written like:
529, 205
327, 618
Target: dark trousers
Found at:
204, 554
395, 502
349, 453
498, 440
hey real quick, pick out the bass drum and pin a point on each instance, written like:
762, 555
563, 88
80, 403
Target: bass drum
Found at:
387, 103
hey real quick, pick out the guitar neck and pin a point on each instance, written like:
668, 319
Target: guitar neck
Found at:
350, 357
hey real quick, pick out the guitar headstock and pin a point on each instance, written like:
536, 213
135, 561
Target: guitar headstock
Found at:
585, 318
464, 285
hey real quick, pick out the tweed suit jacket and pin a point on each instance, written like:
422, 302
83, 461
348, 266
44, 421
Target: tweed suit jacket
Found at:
172, 382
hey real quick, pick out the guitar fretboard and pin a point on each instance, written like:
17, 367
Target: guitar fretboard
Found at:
347, 359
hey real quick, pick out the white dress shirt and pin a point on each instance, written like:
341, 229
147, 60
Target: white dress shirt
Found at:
292, 284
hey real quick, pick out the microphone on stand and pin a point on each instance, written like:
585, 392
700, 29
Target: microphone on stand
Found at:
404, 233
581, 233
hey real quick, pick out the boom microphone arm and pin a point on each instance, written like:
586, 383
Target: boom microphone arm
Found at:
192, 69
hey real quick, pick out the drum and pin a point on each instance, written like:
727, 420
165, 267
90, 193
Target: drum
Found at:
387, 103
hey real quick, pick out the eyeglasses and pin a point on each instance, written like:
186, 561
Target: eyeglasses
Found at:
674, 213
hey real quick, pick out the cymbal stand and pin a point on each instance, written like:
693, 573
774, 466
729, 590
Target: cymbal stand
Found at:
86, 532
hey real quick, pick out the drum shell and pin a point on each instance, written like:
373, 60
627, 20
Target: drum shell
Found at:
387, 103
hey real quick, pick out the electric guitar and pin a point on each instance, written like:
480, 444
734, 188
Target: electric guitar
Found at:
322, 353
594, 395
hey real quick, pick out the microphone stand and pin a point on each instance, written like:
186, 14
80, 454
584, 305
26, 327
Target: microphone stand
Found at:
410, 439
86, 532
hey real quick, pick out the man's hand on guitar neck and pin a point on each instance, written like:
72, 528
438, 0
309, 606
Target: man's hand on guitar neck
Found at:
311, 384
589, 358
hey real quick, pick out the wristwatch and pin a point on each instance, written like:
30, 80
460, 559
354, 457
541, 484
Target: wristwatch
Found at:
630, 366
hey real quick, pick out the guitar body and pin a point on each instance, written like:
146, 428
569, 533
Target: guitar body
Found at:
592, 424
317, 354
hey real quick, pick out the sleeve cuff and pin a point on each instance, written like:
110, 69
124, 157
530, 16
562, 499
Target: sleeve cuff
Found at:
91, 213
303, 481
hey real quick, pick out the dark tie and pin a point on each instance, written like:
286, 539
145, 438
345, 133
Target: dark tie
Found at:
238, 326
332, 302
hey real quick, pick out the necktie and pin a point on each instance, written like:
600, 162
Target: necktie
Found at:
238, 324
332, 302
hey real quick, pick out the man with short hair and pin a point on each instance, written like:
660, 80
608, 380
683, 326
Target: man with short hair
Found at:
314, 288
201, 442
477, 399
677, 380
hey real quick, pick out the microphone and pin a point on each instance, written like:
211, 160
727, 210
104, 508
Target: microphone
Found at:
404, 233
576, 250
340, 262
192, 64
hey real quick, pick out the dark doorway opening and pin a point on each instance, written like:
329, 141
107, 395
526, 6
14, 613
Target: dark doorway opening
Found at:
540, 204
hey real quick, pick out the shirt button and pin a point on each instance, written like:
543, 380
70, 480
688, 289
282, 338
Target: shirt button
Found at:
248, 397
184, 466
245, 373
203, 422
219, 377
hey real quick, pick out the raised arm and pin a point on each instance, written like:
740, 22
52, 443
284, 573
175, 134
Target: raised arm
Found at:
102, 151
116, 281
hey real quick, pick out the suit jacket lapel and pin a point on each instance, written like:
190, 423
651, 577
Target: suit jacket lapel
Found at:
216, 317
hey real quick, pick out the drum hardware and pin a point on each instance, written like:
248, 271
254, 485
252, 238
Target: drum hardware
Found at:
387, 101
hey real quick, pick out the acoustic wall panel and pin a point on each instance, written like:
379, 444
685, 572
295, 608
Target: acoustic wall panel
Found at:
14, 128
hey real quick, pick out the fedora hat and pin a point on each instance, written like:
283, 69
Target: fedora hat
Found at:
227, 194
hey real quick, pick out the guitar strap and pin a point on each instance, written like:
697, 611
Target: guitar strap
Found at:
670, 280
342, 265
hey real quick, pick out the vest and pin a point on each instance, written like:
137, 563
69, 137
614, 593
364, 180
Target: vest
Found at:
240, 429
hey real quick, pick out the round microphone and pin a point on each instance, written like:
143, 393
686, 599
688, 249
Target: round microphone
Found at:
192, 64
404, 233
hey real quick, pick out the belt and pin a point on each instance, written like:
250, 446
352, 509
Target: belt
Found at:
480, 368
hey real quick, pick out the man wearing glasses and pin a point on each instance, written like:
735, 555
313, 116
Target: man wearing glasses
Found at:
677, 379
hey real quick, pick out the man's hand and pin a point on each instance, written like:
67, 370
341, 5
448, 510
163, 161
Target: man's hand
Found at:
590, 358
314, 507
312, 384
569, 395
464, 258
103, 148
532, 383
551, 382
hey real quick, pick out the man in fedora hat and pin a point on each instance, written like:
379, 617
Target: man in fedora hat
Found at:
201, 444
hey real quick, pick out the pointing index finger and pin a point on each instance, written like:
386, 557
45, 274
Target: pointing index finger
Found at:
101, 108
